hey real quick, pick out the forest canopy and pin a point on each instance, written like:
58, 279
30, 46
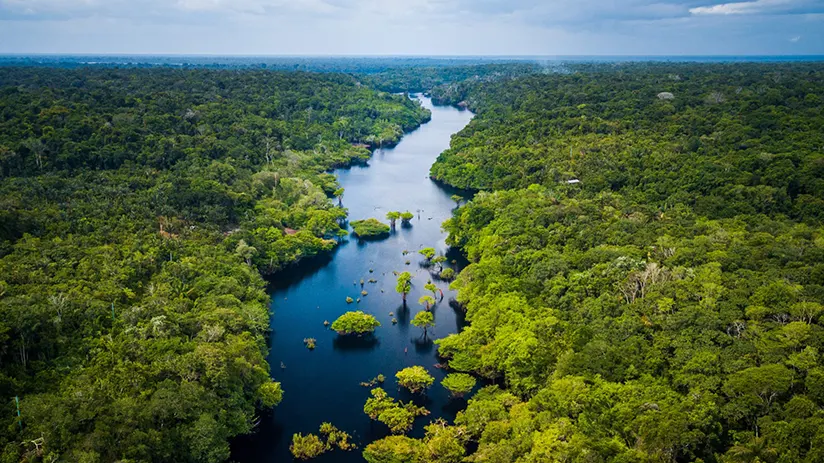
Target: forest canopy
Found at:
138, 210
646, 280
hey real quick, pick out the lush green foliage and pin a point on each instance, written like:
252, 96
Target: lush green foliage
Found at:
459, 384
138, 207
369, 228
398, 416
668, 306
424, 319
415, 378
426, 301
355, 323
311, 446
441, 444
306, 447
447, 274
427, 253
404, 284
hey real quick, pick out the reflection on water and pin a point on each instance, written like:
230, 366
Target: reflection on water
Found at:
324, 384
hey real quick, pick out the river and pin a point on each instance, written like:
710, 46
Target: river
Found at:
324, 384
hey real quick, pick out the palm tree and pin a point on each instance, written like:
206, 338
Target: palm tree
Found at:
757, 450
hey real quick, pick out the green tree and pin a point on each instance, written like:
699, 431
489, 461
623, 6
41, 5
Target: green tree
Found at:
306, 447
406, 217
459, 384
393, 217
427, 253
424, 320
414, 378
369, 228
427, 301
404, 284
458, 199
432, 288
355, 323
447, 274
270, 394
395, 449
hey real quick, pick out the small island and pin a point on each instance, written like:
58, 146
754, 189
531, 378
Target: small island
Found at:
370, 229
358, 323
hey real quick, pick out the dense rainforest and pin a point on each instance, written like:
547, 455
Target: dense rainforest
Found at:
647, 257
647, 270
138, 210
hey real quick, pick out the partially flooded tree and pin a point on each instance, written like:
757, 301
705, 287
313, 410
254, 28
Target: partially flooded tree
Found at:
415, 379
431, 288
404, 285
424, 320
393, 217
428, 254
426, 301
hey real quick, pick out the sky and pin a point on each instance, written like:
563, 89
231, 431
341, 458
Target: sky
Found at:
413, 27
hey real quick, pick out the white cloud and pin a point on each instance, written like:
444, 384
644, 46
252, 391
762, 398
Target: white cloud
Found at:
757, 6
795, 39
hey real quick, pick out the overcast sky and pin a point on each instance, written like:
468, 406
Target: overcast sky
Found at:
413, 27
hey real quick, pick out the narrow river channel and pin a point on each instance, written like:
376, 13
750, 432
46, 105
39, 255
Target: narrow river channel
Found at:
324, 384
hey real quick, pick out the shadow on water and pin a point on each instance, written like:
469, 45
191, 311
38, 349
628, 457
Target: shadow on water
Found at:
403, 316
423, 346
454, 405
294, 274
353, 343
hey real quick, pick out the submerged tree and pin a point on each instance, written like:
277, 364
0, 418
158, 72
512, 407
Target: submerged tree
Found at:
434, 289
428, 254
447, 274
406, 217
426, 301
306, 447
393, 217
396, 415
404, 284
415, 378
369, 228
355, 323
424, 320
459, 384
458, 199
311, 446
339, 194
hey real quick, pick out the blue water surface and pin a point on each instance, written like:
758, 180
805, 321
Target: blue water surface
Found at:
324, 384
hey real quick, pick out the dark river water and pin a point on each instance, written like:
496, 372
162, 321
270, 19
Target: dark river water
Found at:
324, 384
